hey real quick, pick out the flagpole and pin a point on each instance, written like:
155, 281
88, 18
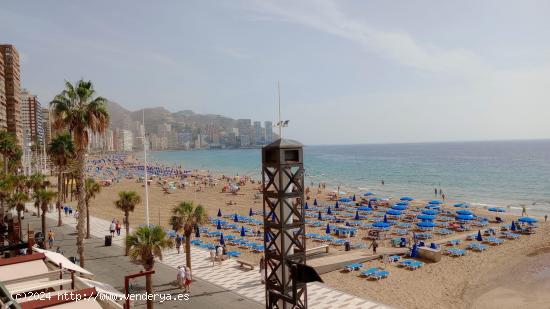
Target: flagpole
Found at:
145, 168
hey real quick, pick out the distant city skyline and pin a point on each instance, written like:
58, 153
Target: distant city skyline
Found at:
351, 72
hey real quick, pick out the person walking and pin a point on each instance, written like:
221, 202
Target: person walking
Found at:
112, 228
181, 277
374, 245
178, 243
188, 279
262, 270
117, 227
219, 254
545, 217
51, 238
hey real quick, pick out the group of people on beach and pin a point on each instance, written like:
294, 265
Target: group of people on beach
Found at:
184, 278
115, 227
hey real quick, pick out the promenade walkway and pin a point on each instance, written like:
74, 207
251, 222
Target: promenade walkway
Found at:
231, 277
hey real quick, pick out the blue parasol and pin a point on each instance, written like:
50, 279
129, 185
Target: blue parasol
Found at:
429, 212
528, 220
426, 217
306, 206
319, 217
406, 198
347, 223
251, 213
336, 205
353, 198
266, 237
243, 231
497, 209
464, 212
478, 237
435, 202
357, 215
385, 219
368, 194
513, 226
315, 202
327, 230
222, 241
399, 207
393, 212
329, 212
465, 217
425, 224
364, 208
381, 224
219, 212
235, 218
197, 232
414, 250
344, 200
219, 225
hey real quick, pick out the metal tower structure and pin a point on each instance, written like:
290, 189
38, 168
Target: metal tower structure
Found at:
284, 226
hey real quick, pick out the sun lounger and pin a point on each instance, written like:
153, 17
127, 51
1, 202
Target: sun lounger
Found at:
394, 258
411, 264
453, 242
494, 241
352, 267
456, 252
369, 272
477, 247
380, 274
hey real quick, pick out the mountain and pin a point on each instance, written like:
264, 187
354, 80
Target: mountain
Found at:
124, 119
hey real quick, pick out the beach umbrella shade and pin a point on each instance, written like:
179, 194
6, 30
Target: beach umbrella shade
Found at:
478, 237
327, 230
406, 198
364, 208
374, 199
266, 237
426, 217
385, 219
251, 213
527, 220
381, 224
336, 205
465, 217
497, 209
219, 212
357, 215
513, 226
353, 199
243, 231
393, 212
235, 218
329, 211
399, 207
347, 223
222, 241
459, 205
197, 232
430, 206
414, 250
320, 217
464, 212
368, 194
344, 200
315, 202
273, 217
425, 224
403, 203
429, 212
435, 202
306, 207
219, 225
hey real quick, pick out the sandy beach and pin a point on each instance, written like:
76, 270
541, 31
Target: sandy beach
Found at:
506, 276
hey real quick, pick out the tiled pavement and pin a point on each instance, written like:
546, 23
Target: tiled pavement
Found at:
231, 277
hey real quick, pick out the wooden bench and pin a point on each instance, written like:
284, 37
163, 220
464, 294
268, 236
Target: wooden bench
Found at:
325, 247
244, 263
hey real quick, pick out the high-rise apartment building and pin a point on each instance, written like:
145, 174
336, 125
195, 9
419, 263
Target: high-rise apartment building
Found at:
245, 131
258, 138
46, 125
12, 85
127, 140
3, 123
268, 132
31, 117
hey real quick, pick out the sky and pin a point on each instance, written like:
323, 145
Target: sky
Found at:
350, 71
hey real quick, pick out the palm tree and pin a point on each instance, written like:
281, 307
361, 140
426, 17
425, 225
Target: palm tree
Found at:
43, 198
8, 148
61, 151
92, 188
127, 201
76, 110
36, 182
186, 217
146, 243
6, 187
17, 201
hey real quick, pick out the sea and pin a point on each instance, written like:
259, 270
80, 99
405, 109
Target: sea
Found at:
512, 174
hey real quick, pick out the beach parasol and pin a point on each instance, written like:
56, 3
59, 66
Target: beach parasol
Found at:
460, 205
385, 219
243, 231
344, 200
251, 213
393, 212
235, 218
381, 224
197, 232
347, 223
528, 220
273, 217
414, 250
497, 209
406, 198
353, 198
327, 230
399, 207
374, 199
364, 208
464, 212
336, 205
368, 194
465, 217
219, 212
425, 224
430, 206
320, 217
429, 212
222, 241
266, 237
513, 226
426, 217
478, 237
219, 225
404, 203
329, 212
306, 207
357, 215
435, 202
315, 202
